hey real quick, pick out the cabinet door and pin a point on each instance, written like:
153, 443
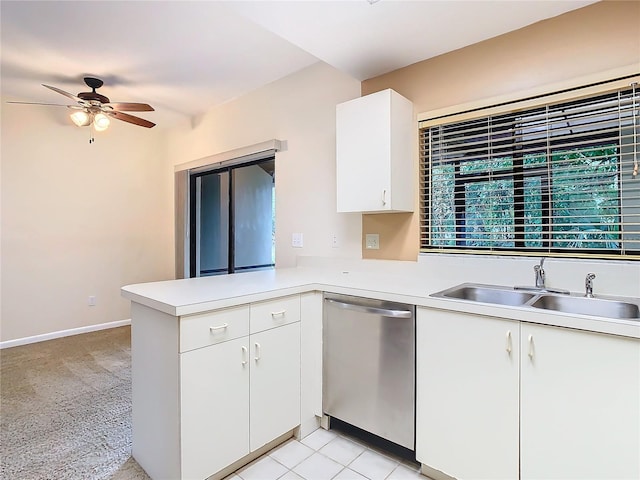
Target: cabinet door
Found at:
363, 146
275, 383
215, 407
467, 395
580, 405
374, 148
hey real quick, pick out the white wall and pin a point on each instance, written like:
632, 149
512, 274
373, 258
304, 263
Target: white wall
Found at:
300, 110
78, 220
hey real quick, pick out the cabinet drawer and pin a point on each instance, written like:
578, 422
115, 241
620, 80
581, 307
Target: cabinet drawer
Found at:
213, 327
273, 313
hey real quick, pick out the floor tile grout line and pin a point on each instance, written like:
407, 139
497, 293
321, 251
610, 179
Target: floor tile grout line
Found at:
396, 461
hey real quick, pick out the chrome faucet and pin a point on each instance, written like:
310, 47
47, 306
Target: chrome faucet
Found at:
541, 282
588, 285
540, 278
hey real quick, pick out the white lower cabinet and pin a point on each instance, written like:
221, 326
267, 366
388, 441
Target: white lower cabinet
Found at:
215, 407
506, 399
236, 397
210, 389
579, 404
467, 395
275, 384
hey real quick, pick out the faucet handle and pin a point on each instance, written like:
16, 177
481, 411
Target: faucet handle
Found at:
588, 285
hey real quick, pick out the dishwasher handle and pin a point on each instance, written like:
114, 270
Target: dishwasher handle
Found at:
372, 310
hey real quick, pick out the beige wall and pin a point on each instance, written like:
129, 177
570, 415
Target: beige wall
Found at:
298, 110
78, 220
561, 51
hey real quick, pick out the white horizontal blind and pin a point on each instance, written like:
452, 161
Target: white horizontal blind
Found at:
559, 177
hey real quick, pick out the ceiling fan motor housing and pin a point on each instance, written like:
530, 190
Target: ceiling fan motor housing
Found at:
93, 96
93, 83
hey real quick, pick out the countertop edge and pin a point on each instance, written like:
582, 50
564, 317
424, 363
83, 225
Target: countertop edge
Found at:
625, 328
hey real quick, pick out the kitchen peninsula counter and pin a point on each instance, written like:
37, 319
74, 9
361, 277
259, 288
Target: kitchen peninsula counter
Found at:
197, 295
250, 345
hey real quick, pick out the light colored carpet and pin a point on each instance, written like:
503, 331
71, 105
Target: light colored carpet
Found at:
65, 409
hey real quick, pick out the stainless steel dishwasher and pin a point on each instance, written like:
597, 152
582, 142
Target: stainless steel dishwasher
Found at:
369, 366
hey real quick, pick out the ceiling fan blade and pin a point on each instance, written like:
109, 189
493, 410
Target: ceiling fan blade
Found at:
131, 107
48, 104
62, 92
125, 117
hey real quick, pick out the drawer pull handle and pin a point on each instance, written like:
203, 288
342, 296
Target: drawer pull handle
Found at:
384, 197
257, 357
219, 327
531, 349
281, 313
244, 356
509, 348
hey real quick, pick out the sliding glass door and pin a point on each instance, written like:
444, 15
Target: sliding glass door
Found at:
232, 219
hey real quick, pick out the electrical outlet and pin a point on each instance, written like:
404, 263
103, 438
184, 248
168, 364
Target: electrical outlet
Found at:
297, 240
372, 241
333, 241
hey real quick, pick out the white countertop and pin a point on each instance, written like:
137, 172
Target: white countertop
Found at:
197, 295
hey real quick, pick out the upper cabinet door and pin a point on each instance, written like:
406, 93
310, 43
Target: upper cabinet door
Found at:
374, 154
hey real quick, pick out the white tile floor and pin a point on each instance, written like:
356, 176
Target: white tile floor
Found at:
325, 455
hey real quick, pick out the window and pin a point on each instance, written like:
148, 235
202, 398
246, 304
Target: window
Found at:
232, 218
560, 177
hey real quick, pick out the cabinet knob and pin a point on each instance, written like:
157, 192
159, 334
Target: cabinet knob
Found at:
509, 346
257, 347
384, 196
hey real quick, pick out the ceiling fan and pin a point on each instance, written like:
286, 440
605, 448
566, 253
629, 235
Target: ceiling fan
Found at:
92, 108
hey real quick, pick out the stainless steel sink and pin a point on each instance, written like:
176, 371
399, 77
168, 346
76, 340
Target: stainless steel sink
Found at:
588, 306
613, 307
487, 294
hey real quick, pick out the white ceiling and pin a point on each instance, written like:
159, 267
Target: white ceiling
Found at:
184, 57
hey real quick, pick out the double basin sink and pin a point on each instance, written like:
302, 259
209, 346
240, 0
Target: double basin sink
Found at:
543, 299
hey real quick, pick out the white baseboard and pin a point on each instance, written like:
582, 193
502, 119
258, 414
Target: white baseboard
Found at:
63, 333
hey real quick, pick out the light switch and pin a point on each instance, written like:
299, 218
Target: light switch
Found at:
372, 241
297, 240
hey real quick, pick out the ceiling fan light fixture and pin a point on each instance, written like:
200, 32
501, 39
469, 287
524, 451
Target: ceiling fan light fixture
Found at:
101, 122
81, 118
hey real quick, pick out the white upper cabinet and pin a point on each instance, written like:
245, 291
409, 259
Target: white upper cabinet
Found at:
374, 154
